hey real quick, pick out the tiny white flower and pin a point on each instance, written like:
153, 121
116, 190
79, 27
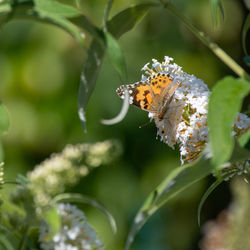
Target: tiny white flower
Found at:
75, 233
144, 68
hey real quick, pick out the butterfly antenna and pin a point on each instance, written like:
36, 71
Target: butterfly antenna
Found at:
144, 125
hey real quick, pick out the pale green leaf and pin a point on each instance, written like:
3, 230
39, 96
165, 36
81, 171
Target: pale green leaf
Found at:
244, 139
116, 56
55, 8
58, 14
205, 196
217, 11
225, 102
79, 198
91, 68
178, 180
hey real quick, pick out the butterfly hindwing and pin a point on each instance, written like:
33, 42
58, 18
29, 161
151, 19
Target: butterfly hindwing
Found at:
139, 94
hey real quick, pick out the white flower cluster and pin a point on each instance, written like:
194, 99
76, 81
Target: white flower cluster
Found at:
64, 169
52, 175
186, 117
74, 234
102, 153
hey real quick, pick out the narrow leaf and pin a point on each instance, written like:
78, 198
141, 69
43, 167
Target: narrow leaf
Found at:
126, 20
66, 17
91, 68
5, 243
178, 180
225, 102
244, 33
55, 8
117, 26
4, 119
205, 196
58, 13
79, 198
116, 56
217, 11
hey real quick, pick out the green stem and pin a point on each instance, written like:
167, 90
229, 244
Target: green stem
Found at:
106, 14
220, 53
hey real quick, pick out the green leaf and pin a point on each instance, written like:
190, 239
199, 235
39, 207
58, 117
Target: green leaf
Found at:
54, 221
4, 119
178, 180
117, 26
5, 243
85, 24
5, 7
91, 68
244, 33
125, 20
205, 196
244, 139
116, 56
58, 14
217, 11
224, 103
64, 16
79, 198
55, 8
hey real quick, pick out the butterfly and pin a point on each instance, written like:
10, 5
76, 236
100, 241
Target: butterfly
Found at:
155, 95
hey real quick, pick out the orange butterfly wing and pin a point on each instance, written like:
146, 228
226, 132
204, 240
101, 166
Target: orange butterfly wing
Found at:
148, 95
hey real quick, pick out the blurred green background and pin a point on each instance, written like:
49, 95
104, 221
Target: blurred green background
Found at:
40, 68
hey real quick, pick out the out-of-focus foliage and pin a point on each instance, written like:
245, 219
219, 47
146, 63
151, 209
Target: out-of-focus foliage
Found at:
224, 232
33, 202
40, 67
